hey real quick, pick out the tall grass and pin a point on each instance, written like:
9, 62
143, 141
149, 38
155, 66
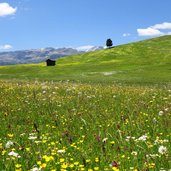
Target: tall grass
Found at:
67, 126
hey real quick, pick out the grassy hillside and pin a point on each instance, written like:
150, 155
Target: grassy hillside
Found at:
147, 61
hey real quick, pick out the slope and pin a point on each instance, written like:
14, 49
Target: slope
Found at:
147, 61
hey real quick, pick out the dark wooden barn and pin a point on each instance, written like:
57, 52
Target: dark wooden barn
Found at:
50, 62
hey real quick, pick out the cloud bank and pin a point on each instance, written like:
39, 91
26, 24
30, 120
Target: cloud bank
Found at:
6, 9
155, 30
5, 47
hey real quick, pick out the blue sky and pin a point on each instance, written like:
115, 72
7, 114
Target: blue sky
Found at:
28, 24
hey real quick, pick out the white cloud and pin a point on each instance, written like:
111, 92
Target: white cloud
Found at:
6, 9
155, 30
126, 34
163, 26
5, 47
84, 48
149, 32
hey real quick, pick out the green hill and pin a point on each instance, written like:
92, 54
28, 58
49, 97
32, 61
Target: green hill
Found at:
147, 61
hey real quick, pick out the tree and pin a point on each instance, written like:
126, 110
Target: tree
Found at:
109, 43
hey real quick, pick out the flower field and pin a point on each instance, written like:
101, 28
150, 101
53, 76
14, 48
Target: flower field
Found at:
74, 127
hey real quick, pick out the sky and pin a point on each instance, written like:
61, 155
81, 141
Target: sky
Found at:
31, 24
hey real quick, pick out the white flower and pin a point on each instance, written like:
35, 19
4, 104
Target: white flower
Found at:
162, 149
142, 138
35, 169
134, 153
9, 144
32, 138
161, 113
12, 153
154, 120
165, 140
104, 140
61, 151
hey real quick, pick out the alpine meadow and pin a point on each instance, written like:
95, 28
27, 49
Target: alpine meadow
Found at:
103, 110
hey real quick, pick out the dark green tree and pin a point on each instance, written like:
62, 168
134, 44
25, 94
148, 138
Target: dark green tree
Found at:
109, 43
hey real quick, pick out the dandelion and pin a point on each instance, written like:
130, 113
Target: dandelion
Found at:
162, 150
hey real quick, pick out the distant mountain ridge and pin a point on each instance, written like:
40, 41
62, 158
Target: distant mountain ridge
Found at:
37, 55
34, 55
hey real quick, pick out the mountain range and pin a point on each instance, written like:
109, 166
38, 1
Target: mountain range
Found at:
39, 55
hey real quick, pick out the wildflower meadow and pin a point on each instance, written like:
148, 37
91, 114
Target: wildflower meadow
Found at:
48, 126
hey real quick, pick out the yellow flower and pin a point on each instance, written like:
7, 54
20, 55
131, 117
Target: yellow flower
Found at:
18, 169
88, 161
18, 166
115, 169
3, 152
76, 163
112, 142
123, 156
61, 160
71, 165
64, 166
48, 158
96, 159
151, 165
96, 168
43, 165
10, 135
27, 149
81, 165
39, 162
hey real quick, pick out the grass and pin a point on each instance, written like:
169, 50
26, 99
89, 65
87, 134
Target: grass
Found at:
144, 62
69, 126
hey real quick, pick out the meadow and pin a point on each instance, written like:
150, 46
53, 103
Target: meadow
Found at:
74, 127
146, 62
